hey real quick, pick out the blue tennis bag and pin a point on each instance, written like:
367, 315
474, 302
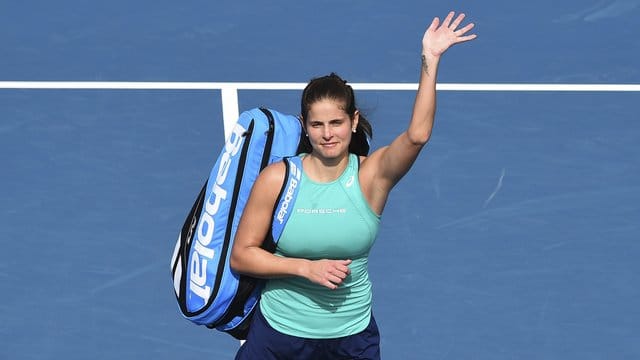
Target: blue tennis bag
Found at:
207, 290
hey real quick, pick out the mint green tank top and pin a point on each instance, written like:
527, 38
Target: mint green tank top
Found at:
329, 221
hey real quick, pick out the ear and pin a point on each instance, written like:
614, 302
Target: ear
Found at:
356, 118
304, 130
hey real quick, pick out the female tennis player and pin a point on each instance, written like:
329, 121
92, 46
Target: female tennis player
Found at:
317, 301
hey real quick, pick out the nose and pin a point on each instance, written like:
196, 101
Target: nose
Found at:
327, 133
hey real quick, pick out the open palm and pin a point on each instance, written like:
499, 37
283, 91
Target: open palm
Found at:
440, 37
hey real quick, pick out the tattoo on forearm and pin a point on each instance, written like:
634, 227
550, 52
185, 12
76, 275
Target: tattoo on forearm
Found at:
425, 66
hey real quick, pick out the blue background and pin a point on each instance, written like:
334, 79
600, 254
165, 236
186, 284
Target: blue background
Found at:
515, 236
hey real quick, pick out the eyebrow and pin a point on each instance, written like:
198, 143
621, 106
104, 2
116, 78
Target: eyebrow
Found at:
331, 120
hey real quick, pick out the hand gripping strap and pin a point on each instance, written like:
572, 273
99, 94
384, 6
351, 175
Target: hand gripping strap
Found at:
287, 196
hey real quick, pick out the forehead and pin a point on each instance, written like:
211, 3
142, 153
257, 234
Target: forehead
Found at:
327, 109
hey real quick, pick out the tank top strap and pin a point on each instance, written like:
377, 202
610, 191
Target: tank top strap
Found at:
351, 186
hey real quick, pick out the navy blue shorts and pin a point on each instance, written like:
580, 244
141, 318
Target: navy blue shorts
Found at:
266, 343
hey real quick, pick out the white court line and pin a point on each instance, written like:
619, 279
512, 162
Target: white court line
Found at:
229, 90
129, 85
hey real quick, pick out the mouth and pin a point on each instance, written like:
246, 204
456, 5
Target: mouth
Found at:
329, 145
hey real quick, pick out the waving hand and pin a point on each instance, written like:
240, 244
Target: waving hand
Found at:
441, 36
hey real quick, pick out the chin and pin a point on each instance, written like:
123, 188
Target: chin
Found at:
333, 154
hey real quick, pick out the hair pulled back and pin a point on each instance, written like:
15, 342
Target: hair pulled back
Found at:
333, 87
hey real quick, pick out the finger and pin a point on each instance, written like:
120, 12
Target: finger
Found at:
336, 280
330, 285
343, 269
465, 29
342, 272
457, 21
447, 20
339, 274
434, 24
332, 282
466, 38
338, 270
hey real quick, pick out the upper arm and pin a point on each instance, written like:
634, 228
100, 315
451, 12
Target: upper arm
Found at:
382, 170
256, 218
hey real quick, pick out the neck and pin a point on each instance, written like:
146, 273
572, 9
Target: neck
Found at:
323, 169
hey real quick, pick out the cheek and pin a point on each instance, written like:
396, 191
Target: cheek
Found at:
345, 132
314, 135
312, 132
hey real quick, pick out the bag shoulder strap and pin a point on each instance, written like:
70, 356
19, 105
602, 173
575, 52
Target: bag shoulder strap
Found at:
286, 199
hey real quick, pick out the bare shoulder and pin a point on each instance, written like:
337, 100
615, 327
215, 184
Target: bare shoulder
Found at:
270, 179
373, 188
369, 165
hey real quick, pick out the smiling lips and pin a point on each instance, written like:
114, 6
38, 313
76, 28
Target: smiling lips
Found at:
330, 144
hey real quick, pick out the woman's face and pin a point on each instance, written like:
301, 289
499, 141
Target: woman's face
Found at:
329, 128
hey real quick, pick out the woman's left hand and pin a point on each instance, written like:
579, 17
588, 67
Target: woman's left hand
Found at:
440, 37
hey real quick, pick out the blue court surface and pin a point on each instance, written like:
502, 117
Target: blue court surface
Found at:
515, 236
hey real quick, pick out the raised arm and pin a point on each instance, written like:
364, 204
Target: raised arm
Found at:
386, 166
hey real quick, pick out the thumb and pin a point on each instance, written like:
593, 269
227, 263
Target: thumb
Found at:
434, 24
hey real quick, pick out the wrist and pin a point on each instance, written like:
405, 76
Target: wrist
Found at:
302, 268
429, 56
429, 63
